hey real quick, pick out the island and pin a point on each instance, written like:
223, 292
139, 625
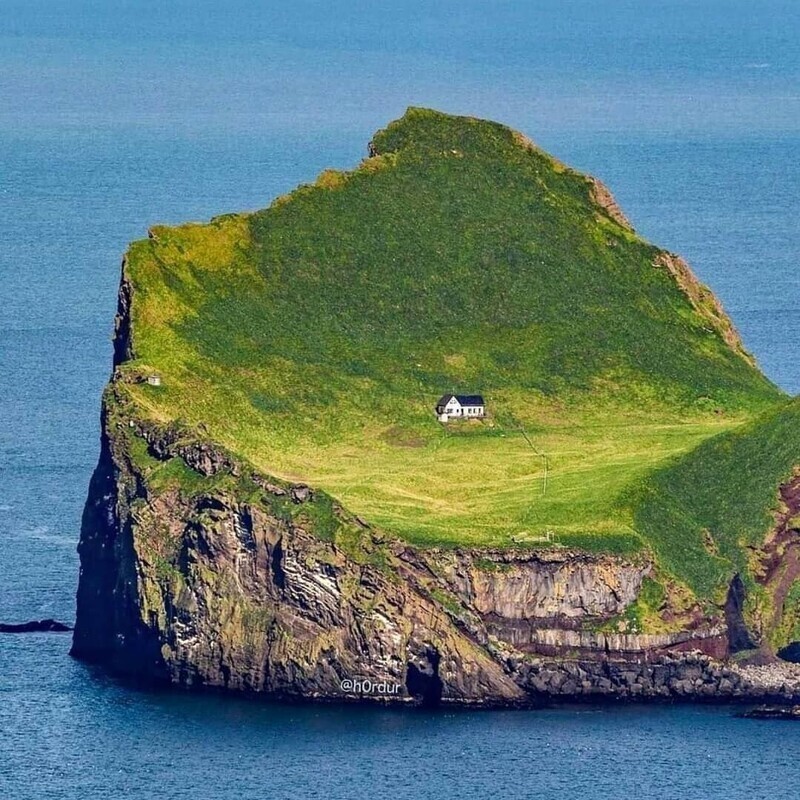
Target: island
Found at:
287, 503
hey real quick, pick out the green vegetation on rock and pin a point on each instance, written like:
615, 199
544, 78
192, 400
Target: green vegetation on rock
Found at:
313, 338
724, 492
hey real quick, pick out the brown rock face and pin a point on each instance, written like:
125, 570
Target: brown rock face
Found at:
603, 197
557, 585
211, 591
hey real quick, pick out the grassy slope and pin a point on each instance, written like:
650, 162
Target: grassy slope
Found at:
707, 512
314, 337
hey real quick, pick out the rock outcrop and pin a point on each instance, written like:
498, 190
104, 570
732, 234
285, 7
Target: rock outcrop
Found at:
35, 626
212, 591
603, 197
703, 300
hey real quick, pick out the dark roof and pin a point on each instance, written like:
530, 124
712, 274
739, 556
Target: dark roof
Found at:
464, 399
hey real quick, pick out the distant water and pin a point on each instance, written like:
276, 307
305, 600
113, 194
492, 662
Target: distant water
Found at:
115, 116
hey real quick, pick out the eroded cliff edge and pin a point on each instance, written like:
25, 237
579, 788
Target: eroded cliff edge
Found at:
200, 572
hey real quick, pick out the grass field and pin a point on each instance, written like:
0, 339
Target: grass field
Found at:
475, 482
486, 488
313, 339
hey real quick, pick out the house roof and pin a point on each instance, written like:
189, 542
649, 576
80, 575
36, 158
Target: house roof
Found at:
463, 399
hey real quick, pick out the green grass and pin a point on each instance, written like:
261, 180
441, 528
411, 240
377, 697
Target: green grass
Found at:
789, 628
641, 615
313, 338
726, 486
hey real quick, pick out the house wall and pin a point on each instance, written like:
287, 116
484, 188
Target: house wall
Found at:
453, 410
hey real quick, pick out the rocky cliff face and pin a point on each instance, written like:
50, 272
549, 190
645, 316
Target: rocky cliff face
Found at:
198, 572
208, 589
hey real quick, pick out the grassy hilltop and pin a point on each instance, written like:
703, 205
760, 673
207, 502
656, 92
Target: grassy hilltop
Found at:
313, 338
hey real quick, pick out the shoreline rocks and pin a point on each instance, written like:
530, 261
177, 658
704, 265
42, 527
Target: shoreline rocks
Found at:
672, 676
35, 626
789, 713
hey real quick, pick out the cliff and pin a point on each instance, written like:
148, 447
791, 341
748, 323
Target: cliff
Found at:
276, 509
230, 585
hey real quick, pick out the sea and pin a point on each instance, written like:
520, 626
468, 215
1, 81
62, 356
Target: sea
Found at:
119, 114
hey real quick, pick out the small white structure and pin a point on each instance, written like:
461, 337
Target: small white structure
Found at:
154, 380
460, 406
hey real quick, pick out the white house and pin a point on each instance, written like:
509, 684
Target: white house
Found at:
460, 406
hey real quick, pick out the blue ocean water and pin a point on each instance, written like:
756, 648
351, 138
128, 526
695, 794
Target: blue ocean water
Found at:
118, 115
